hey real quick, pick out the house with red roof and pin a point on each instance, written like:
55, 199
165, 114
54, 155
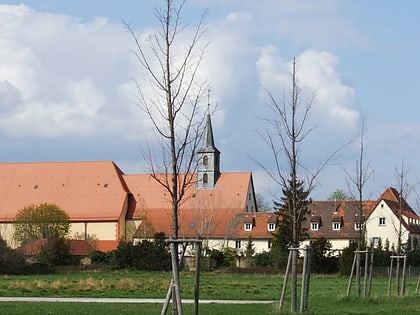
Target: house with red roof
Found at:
392, 216
338, 221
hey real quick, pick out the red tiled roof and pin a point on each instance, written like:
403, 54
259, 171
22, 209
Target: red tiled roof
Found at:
260, 225
392, 198
33, 248
203, 212
88, 191
84, 248
230, 193
215, 224
326, 212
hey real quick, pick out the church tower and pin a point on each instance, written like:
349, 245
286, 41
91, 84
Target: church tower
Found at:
208, 169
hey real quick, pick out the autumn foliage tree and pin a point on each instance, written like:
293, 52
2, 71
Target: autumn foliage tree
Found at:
44, 221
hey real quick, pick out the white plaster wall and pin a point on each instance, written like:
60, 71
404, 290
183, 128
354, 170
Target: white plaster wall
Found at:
6, 232
337, 244
389, 231
106, 231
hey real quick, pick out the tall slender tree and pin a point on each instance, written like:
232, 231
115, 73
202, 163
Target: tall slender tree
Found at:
288, 122
404, 190
173, 98
362, 174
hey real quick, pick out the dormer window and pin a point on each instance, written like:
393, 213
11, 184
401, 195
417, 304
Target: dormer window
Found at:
357, 226
315, 222
271, 227
336, 226
248, 227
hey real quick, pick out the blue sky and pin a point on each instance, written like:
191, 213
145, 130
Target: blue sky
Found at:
66, 90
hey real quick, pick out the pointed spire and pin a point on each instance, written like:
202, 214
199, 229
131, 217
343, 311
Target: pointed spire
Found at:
208, 157
208, 143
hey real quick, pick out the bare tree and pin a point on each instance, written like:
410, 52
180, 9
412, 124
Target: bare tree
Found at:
362, 174
404, 190
288, 130
172, 99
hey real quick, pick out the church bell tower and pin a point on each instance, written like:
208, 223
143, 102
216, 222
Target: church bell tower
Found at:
208, 169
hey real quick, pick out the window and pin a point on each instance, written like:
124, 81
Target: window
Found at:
357, 226
248, 226
205, 179
375, 241
271, 227
336, 226
314, 226
238, 244
205, 160
269, 244
381, 221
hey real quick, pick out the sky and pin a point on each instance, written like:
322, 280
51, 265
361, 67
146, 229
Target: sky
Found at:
67, 91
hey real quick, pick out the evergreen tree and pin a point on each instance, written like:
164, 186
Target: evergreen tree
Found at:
288, 220
293, 211
249, 252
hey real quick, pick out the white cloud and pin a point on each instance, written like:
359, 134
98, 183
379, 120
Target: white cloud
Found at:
334, 103
63, 77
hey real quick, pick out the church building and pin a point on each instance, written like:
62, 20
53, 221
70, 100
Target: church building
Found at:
106, 206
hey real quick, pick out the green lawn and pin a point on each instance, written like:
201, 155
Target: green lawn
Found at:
327, 294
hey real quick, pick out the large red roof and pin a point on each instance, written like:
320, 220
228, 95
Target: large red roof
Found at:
88, 191
230, 193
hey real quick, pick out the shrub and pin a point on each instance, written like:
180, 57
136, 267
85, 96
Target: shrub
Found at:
264, 259
123, 255
322, 260
98, 257
346, 259
216, 258
146, 255
55, 252
11, 260
229, 255
280, 257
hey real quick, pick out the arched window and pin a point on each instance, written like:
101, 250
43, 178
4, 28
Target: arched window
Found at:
205, 179
205, 160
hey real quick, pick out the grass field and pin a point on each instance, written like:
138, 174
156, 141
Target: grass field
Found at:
327, 294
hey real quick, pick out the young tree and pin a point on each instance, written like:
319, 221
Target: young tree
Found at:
361, 176
288, 121
42, 221
173, 102
249, 252
404, 190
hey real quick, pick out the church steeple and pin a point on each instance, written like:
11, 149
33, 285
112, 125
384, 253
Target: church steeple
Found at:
208, 169
208, 144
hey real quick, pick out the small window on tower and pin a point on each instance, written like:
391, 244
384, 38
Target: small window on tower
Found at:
205, 160
205, 179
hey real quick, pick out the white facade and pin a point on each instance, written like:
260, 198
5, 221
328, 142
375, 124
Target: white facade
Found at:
383, 225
